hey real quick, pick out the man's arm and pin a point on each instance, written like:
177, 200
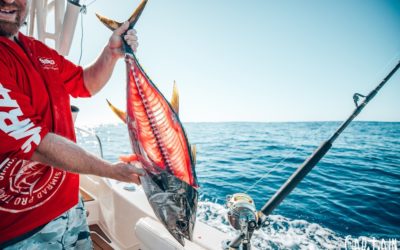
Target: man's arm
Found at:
59, 152
97, 74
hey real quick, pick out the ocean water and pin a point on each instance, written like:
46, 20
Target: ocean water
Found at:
351, 197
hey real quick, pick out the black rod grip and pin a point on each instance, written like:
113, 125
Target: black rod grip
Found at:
296, 178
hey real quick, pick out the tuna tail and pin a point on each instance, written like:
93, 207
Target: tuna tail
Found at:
113, 25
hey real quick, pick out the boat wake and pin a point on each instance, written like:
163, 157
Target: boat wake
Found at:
282, 232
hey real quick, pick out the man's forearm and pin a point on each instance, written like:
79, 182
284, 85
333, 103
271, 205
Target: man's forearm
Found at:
97, 74
59, 152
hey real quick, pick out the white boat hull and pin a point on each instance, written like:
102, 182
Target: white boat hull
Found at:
129, 222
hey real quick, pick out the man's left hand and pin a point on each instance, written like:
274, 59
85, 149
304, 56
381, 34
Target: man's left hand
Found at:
115, 42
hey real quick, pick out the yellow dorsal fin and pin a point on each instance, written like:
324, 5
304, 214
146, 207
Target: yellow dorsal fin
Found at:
175, 99
121, 114
193, 148
113, 25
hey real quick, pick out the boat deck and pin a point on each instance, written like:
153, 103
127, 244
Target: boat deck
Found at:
99, 238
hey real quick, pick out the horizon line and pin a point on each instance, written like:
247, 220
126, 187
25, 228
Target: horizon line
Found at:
317, 121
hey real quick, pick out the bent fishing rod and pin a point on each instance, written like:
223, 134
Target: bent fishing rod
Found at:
241, 209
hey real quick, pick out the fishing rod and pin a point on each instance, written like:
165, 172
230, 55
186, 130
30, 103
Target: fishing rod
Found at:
241, 209
318, 154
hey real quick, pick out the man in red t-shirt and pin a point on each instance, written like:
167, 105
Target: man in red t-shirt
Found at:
39, 160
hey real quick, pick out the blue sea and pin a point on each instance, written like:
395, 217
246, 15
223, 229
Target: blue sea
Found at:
351, 198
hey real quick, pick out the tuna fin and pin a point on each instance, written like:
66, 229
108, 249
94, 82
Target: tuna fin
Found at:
128, 158
113, 25
121, 114
175, 99
193, 148
136, 14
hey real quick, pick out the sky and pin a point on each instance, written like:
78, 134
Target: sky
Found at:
258, 60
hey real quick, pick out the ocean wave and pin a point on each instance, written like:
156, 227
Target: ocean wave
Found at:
284, 233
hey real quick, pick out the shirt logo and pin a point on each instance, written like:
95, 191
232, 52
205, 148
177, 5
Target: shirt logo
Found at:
48, 63
25, 185
11, 124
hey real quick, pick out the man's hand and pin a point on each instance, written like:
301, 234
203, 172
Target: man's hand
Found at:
97, 74
115, 42
127, 172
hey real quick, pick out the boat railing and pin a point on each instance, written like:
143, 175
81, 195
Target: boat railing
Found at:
83, 134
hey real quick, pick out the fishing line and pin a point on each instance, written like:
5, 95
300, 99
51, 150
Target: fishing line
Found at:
82, 11
283, 160
385, 68
91, 2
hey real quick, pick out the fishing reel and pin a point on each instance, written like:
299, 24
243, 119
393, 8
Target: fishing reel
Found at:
243, 216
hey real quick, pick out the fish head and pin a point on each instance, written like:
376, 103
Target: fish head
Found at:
174, 202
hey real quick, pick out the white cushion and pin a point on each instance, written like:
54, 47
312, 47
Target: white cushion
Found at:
153, 236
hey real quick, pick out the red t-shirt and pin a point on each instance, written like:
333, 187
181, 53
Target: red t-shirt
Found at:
35, 87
